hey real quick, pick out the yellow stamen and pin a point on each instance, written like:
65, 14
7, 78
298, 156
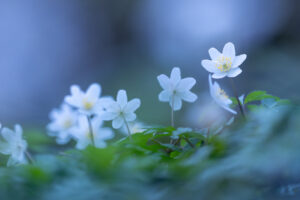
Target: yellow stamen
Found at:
223, 93
224, 64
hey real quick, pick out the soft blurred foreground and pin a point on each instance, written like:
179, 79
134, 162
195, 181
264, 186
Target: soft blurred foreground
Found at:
254, 159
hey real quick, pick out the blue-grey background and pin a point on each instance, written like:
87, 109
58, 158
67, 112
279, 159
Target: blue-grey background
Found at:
45, 46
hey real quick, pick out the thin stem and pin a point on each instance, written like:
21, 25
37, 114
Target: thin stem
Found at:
237, 98
128, 129
29, 157
189, 142
91, 130
172, 111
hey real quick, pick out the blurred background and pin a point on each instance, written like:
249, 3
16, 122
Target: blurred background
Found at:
45, 46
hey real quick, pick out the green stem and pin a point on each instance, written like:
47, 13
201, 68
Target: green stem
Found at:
128, 129
91, 130
172, 111
29, 157
237, 98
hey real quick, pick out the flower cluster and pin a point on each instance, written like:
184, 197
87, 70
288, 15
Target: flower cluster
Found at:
13, 144
82, 114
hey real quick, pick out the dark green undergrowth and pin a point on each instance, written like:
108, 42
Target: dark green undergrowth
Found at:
256, 158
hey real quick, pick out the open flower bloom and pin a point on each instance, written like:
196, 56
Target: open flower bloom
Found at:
121, 111
220, 96
88, 102
82, 133
63, 120
176, 89
225, 63
14, 145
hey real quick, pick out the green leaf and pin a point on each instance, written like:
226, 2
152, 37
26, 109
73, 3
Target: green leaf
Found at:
259, 95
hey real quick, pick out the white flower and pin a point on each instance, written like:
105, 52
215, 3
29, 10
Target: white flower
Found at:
14, 145
176, 89
88, 102
82, 133
63, 120
220, 96
121, 111
225, 63
135, 127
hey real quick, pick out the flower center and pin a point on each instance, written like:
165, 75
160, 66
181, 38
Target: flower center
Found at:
224, 64
222, 93
67, 123
87, 104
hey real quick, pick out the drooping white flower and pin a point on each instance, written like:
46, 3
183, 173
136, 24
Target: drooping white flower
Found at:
83, 136
225, 63
88, 102
121, 111
176, 89
14, 145
135, 127
63, 120
220, 96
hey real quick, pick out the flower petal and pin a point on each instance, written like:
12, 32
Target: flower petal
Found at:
189, 96
130, 117
122, 98
93, 91
234, 72
175, 75
132, 105
186, 84
107, 116
238, 60
214, 53
209, 65
118, 122
219, 75
177, 103
164, 81
229, 109
164, 96
229, 50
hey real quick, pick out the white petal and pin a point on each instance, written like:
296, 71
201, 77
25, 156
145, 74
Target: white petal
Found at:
189, 96
209, 65
94, 91
132, 105
219, 75
234, 72
130, 117
104, 134
122, 98
214, 53
186, 84
118, 122
241, 98
164, 82
8, 135
164, 96
229, 50
82, 143
175, 75
109, 115
75, 90
238, 60
229, 109
18, 130
177, 103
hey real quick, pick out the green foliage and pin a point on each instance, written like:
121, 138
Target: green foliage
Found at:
254, 159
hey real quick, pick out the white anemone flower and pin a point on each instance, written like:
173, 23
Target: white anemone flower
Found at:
121, 111
220, 96
83, 136
176, 89
63, 120
14, 145
88, 102
225, 63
